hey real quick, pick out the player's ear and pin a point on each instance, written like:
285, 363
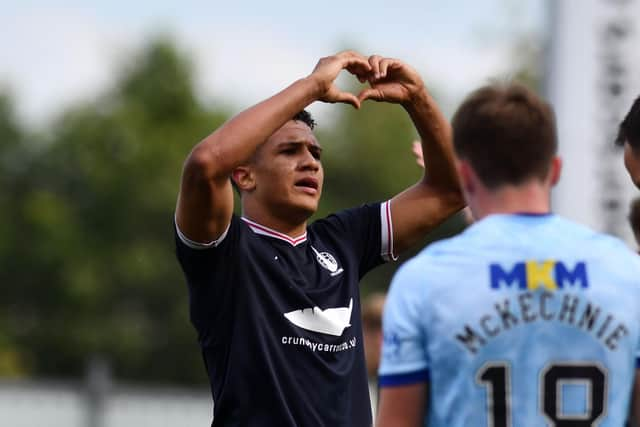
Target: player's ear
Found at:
556, 169
466, 175
244, 178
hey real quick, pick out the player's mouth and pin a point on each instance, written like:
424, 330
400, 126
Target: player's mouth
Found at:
309, 185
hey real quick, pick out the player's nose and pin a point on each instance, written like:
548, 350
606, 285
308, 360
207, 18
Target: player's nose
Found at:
309, 161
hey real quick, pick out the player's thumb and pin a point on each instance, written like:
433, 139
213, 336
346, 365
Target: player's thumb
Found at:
370, 93
348, 98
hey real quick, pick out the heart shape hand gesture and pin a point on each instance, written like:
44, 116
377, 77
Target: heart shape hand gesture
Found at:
390, 79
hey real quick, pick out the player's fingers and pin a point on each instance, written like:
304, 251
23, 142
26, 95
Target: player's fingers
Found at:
348, 98
359, 67
357, 63
385, 65
349, 54
416, 147
370, 93
374, 61
395, 63
353, 59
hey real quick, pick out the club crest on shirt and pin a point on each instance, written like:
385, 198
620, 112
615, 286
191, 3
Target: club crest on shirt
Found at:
327, 261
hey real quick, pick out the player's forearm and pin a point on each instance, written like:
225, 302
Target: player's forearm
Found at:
236, 141
436, 136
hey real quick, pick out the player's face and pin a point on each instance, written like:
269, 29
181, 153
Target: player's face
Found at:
632, 163
288, 173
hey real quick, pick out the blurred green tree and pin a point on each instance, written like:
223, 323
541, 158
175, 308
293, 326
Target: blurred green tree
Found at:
13, 161
92, 261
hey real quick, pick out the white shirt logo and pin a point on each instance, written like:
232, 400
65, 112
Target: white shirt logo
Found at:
330, 321
326, 260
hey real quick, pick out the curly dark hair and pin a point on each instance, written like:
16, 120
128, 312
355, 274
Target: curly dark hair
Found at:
629, 130
305, 117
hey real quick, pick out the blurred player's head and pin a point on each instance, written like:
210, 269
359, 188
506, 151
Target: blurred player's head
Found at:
504, 136
634, 219
372, 308
629, 137
285, 175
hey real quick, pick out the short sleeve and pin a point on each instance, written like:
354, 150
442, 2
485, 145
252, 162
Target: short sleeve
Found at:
404, 358
198, 260
368, 229
197, 245
209, 276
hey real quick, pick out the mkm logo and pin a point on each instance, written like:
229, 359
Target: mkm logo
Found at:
550, 275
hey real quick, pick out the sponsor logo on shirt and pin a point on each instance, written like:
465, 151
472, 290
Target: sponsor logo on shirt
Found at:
531, 274
319, 346
330, 321
327, 261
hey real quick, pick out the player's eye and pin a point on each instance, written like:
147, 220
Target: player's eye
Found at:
316, 152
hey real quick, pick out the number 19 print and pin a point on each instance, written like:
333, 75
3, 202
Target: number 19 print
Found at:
496, 378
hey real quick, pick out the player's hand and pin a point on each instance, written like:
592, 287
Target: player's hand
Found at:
392, 80
416, 147
327, 70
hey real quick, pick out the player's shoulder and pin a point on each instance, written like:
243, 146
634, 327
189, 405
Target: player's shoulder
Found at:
586, 243
450, 248
593, 240
433, 260
431, 263
568, 228
345, 218
617, 252
420, 280
409, 288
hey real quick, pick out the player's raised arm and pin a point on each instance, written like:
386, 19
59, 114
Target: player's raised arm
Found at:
205, 202
437, 195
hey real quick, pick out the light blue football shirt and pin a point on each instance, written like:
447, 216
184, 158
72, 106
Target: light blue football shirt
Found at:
521, 320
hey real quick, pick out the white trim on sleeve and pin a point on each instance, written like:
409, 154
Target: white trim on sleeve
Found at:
386, 232
199, 245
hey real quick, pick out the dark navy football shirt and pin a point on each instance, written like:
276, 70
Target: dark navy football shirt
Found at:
278, 319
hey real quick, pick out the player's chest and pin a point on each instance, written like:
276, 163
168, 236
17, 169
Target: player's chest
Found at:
308, 291
306, 268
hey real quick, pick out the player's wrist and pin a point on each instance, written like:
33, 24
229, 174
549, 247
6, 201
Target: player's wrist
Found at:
318, 86
418, 98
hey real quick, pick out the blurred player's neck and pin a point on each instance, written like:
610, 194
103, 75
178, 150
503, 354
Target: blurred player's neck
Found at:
532, 197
